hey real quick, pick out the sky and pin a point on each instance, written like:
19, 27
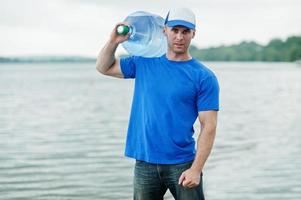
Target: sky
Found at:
82, 27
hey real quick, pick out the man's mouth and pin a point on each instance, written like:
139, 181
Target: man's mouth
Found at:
179, 45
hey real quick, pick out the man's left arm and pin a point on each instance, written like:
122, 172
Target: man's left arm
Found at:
191, 177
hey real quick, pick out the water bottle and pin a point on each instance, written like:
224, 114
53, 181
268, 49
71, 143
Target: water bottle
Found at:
146, 34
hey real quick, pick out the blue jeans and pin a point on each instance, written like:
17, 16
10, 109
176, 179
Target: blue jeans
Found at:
151, 182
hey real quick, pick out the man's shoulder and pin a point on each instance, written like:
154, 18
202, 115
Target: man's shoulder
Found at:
201, 68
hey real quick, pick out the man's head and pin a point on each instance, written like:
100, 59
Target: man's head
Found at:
179, 29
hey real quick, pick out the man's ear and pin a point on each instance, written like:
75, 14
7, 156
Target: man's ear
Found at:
193, 33
164, 30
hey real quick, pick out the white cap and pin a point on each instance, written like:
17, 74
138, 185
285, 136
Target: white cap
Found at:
180, 17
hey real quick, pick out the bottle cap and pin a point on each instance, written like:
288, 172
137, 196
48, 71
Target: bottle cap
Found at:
123, 29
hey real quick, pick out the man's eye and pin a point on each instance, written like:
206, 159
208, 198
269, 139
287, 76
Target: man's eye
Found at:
186, 32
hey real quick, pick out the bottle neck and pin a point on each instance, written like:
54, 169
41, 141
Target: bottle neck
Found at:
124, 29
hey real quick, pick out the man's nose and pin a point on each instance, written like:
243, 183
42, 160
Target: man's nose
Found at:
179, 36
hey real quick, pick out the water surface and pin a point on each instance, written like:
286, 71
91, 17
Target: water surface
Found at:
63, 129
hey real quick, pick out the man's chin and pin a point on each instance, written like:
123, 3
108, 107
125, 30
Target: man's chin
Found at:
179, 51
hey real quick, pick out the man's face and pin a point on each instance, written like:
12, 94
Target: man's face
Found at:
178, 38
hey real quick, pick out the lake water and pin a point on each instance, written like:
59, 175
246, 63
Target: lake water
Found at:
63, 129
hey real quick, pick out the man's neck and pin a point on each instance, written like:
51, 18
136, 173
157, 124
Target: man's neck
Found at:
178, 57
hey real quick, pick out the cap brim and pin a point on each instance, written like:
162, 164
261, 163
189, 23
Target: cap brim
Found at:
173, 23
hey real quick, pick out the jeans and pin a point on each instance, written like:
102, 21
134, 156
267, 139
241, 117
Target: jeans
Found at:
151, 182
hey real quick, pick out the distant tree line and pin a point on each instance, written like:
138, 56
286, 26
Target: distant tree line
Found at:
276, 50
45, 59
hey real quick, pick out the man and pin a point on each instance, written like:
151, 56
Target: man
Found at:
171, 92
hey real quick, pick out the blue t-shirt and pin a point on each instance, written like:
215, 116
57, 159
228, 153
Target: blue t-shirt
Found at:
167, 98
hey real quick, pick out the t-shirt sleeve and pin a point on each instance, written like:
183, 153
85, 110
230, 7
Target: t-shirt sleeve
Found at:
208, 94
128, 67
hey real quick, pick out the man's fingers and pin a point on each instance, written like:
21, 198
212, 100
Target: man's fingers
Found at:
191, 185
182, 177
186, 183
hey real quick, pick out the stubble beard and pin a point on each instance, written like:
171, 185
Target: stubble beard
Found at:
178, 51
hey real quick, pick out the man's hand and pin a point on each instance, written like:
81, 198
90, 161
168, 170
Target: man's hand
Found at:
117, 39
190, 178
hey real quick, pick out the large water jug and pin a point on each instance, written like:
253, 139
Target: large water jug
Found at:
146, 34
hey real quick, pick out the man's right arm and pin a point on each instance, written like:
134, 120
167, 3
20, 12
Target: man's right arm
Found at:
106, 62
